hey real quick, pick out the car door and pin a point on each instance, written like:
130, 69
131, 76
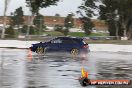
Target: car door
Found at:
67, 44
54, 45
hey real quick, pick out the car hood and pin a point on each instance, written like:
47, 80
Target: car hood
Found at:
44, 43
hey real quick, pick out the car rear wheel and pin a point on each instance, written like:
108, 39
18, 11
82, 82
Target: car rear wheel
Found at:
40, 50
74, 51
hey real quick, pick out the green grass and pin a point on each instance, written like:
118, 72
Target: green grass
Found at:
98, 34
119, 42
77, 34
81, 34
54, 33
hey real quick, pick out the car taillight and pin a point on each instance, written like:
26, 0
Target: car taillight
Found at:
85, 46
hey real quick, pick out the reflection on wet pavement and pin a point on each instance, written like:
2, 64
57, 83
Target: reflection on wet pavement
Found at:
61, 71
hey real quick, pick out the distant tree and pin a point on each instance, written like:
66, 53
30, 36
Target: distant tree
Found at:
107, 13
32, 30
6, 2
39, 22
123, 9
69, 23
10, 32
87, 11
57, 15
37, 4
44, 27
58, 28
17, 18
87, 25
24, 29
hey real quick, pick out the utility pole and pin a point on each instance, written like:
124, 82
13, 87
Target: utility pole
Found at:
116, 18
29, 20
40, 29
40, 26
4, 20
28, 28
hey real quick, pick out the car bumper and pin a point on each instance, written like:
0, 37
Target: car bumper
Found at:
32, 49
85, 50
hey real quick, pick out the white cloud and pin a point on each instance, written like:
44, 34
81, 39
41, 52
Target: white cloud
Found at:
63, 7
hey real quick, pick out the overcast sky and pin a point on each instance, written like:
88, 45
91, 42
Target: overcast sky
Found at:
63, 7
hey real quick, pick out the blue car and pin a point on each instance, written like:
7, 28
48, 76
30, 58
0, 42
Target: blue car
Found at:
61, 44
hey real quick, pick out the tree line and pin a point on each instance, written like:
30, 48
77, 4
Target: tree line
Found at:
116, 13
20, 25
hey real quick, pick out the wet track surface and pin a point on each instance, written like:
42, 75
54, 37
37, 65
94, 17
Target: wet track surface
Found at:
61, 70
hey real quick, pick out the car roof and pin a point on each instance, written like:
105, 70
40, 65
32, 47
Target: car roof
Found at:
74, 38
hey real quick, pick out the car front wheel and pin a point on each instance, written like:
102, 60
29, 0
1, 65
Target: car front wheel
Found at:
40, 50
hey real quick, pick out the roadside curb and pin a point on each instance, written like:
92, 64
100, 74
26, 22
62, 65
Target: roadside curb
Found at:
13, 48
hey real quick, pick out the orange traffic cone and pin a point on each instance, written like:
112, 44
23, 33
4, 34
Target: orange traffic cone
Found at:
30, 55
84, 80
84, 73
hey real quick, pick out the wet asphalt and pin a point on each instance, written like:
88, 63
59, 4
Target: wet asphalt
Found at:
61, 70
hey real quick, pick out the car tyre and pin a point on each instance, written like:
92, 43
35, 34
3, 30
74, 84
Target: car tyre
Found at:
40, 50
74, 51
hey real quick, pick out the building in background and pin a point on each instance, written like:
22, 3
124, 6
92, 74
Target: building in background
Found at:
51, 21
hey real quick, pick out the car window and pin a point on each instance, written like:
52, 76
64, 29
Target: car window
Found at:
67, 41
56, 41
75, 41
